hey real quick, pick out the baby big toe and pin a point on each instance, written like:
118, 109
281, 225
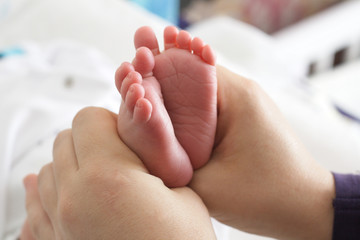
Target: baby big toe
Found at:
145, 37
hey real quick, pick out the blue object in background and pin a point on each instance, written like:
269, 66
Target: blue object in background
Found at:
167, 9
347, 114
11, 51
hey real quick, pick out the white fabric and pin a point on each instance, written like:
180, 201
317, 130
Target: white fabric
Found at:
107, 25
41, 92
9, 7
342, 86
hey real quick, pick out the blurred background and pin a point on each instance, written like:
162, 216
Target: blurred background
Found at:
267, 15
57, 57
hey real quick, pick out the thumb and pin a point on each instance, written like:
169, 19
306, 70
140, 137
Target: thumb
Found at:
96, 139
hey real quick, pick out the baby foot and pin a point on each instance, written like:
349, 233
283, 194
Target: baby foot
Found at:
144, 124
187, 75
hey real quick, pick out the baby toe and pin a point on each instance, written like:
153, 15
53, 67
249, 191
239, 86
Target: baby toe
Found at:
145, 37
142, 110
170, 35
144, 62
197, 46
120, 74
184, 40
208, 55
132, 78
136, 91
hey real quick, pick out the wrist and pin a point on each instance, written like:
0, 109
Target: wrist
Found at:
321, 211
308, 213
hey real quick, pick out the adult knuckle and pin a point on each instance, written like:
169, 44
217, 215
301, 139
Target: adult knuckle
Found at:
93, 176
250, 89
85, 113
28, 205
67, 210
112, 187
107, 183
35, 222
61, 136
119, 180
43, 173
117, 176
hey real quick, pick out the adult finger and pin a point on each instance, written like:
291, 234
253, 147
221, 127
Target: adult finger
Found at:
39, 222
64, 158
47, 191
26, 233
96, 138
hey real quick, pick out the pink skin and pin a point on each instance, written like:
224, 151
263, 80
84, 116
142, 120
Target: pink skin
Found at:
169, 112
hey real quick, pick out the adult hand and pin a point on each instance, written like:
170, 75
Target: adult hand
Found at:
96, 188
260, 179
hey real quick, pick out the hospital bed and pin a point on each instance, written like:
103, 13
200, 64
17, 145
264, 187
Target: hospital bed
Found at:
64, 39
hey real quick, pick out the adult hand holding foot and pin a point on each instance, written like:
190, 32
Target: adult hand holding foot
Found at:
260, 179
256, 161
96, 188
